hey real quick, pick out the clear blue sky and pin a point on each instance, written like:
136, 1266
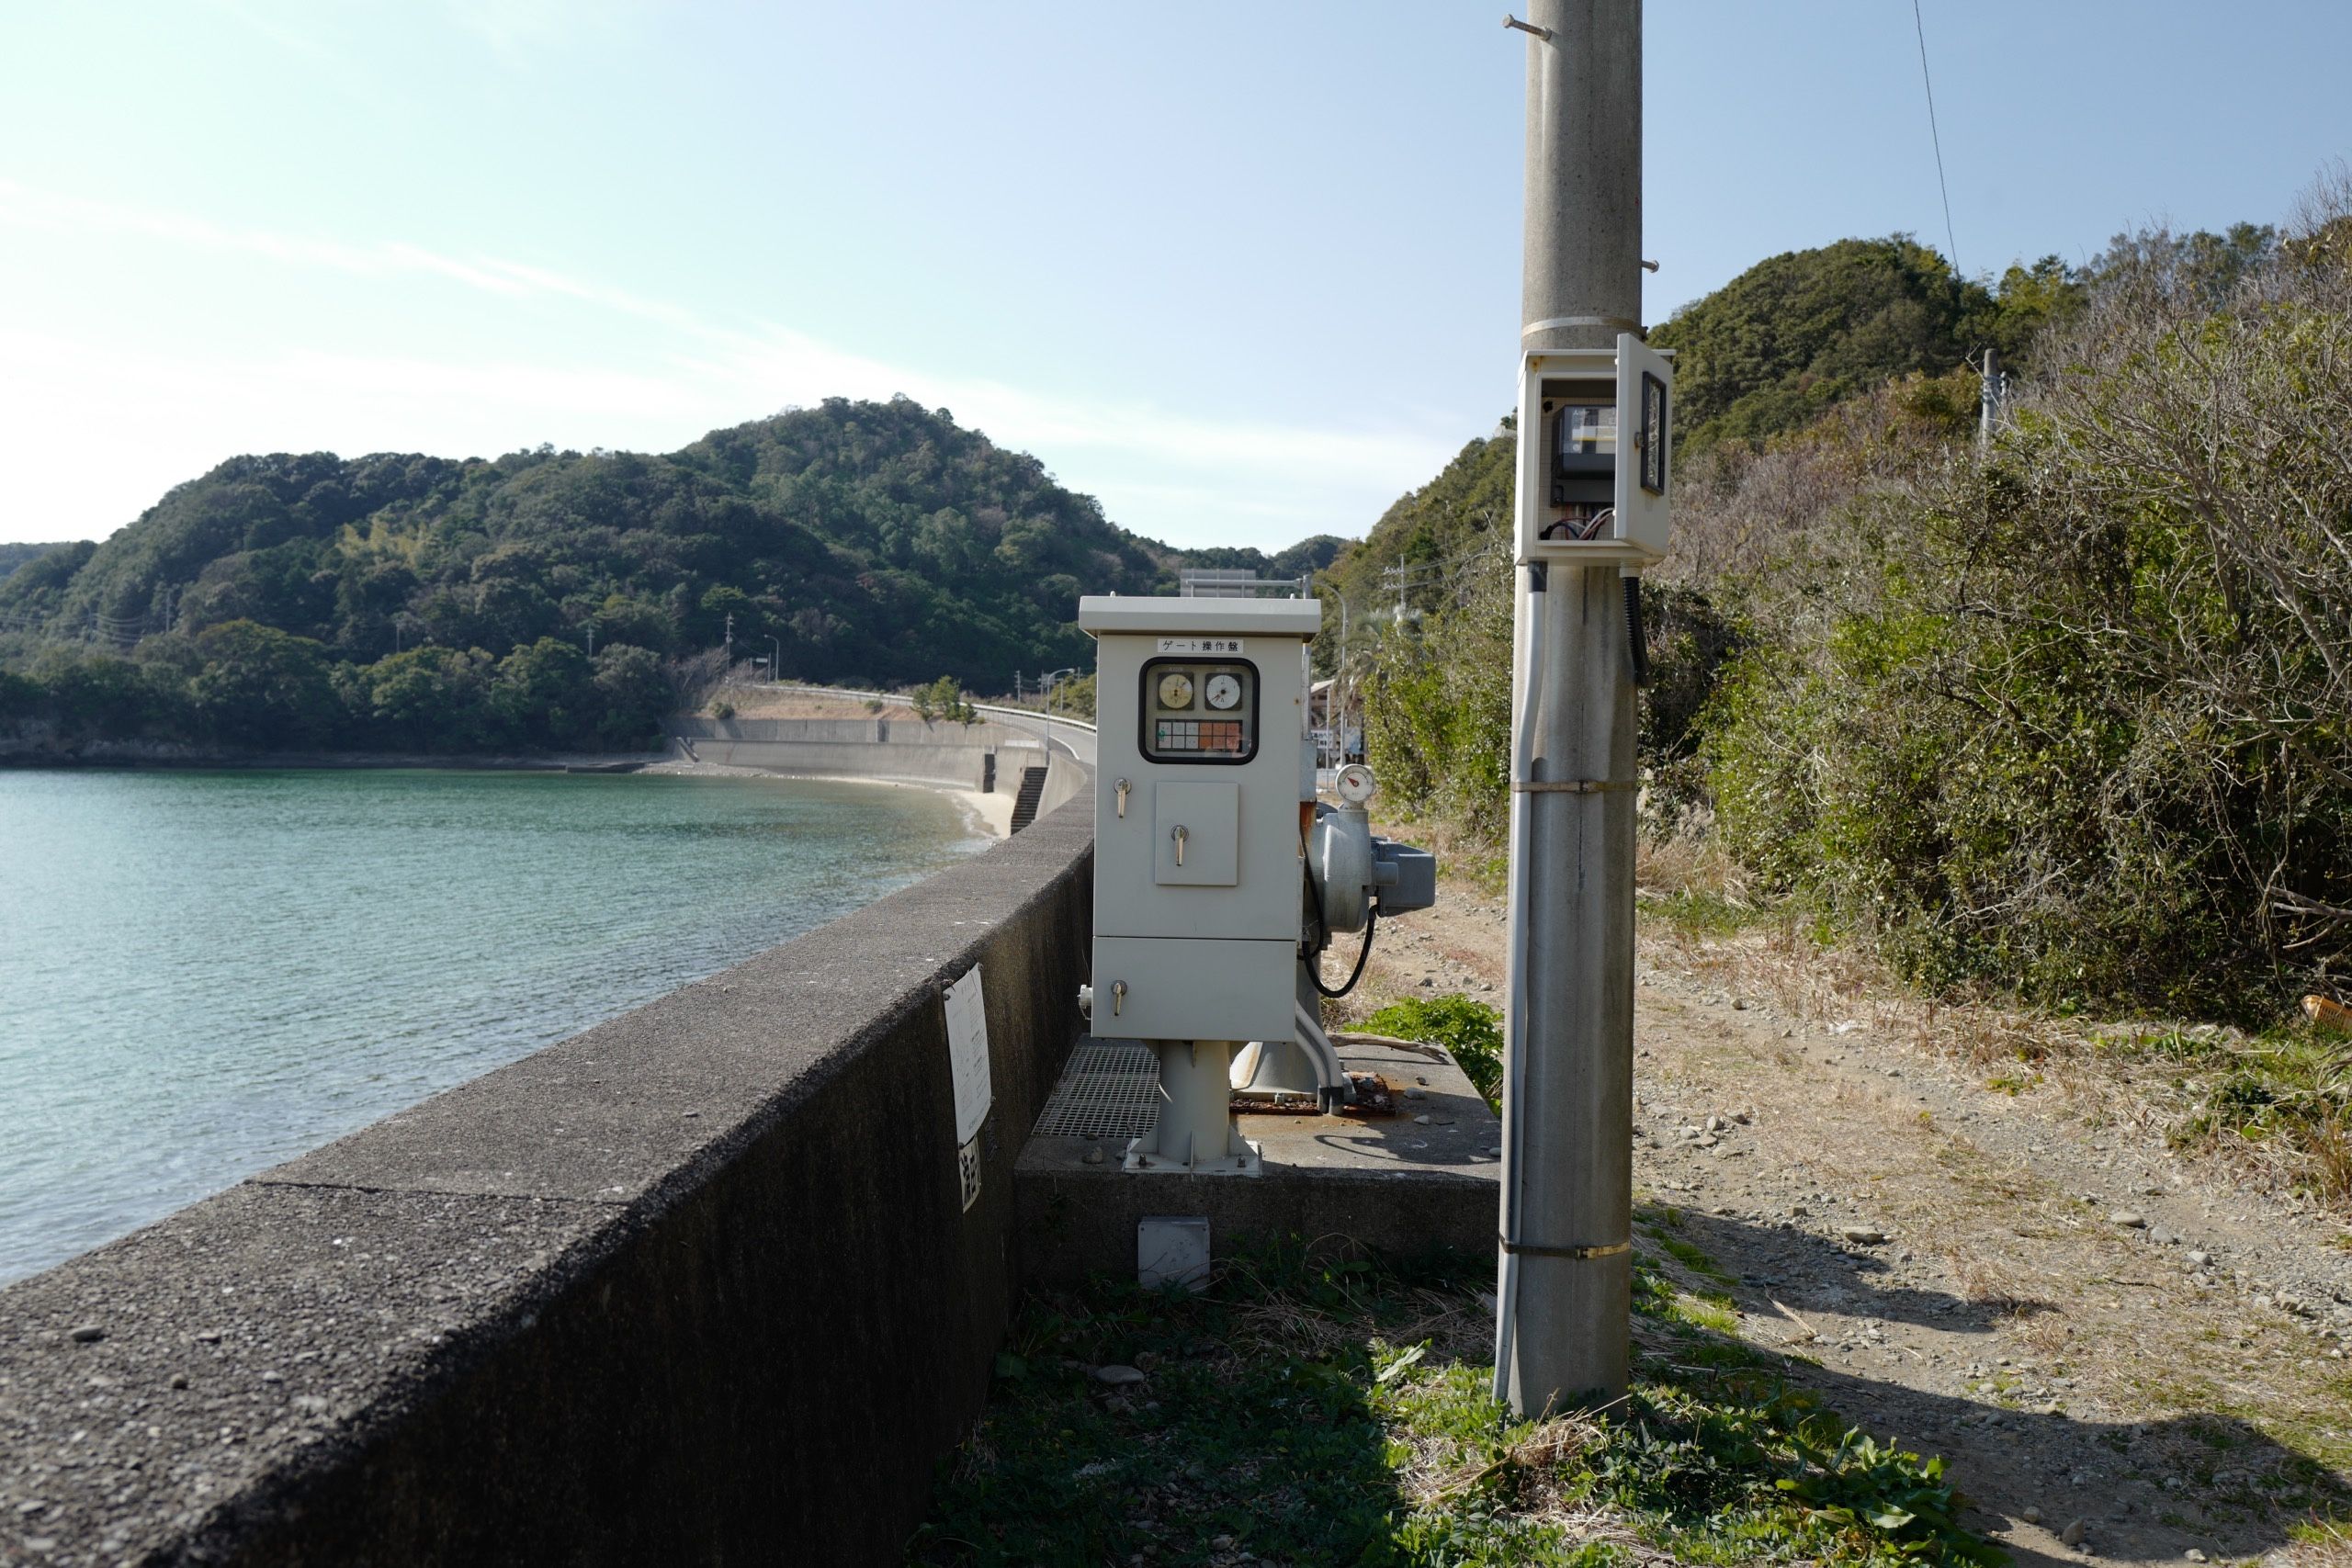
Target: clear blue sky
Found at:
1245, 271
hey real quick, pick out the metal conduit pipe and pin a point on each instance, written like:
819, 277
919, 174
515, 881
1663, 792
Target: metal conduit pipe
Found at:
1529, 646
1329, 1074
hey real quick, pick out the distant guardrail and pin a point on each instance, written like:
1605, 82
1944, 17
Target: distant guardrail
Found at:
1077, 739
1004, 708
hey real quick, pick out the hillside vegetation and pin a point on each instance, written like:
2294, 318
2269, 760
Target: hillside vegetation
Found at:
14, 556
413, 603
2065, 717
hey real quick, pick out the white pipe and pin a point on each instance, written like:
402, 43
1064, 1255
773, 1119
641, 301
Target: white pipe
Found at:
1329, 1073
1530, 612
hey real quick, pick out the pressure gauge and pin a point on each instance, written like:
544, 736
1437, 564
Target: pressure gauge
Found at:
1176, 690
1222, 691
1354, 783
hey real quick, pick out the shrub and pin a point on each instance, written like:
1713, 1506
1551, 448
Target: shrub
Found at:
1471, 1032
2075, 719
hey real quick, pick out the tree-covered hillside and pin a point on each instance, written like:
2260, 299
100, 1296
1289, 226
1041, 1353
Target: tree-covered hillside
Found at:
1794, 335
880, 540
14, 556
415, 602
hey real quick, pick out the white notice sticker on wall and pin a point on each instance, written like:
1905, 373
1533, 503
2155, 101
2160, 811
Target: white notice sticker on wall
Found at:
967, 1054
968, 1172
1200, 645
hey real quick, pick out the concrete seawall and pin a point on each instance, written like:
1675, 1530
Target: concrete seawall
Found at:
696, 1286
954, 755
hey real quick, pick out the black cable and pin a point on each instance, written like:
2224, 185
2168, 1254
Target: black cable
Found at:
1935, 135
1636, 642
1314, 971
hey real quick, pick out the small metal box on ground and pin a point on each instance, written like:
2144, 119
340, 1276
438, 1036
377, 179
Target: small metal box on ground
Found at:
1172, 1249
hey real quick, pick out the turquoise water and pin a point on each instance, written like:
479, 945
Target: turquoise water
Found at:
202, 973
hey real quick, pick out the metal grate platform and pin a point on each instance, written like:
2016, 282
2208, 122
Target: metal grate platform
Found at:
1107, 1091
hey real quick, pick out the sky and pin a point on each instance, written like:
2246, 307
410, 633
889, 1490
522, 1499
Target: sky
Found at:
1246, 272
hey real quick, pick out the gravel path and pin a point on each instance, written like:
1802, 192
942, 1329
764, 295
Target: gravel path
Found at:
2125, 1357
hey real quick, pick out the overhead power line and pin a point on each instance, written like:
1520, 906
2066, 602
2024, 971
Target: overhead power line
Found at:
1950, 244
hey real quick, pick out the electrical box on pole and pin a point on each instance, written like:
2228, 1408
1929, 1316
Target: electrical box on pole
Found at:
1595, 454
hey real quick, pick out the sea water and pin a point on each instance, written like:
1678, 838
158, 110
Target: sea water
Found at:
205, 973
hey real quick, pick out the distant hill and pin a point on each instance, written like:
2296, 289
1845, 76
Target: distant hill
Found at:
14, 556
882, 540
324, 601
1794, 335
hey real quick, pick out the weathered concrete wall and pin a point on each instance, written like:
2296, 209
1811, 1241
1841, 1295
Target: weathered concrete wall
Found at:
691, 1287
910, 751
1065, 780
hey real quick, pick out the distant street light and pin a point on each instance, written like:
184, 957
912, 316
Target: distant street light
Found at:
775, 671
1050, 680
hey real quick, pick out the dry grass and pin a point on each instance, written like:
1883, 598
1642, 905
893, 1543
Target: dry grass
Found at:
1987, 1284
764, 701
2327, 1546
1691, 863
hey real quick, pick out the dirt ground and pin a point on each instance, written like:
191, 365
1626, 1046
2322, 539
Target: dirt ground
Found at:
2125, 1356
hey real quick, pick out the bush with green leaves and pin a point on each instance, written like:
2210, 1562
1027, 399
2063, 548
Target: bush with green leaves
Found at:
1471, 1033
2077, 720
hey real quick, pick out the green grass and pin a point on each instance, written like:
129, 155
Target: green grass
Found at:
2286, 1089
1470, 1031
1333, 1410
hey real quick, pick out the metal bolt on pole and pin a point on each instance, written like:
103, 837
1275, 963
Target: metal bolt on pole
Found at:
1566, 1273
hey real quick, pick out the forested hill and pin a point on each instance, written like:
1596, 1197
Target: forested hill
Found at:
14, 556
878, 540
872, 541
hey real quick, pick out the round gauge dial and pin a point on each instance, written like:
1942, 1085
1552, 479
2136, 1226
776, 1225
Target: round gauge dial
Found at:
1354, 783
1222, 691
1176, 690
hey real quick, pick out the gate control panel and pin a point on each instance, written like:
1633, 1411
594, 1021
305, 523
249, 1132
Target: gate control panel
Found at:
1202, 764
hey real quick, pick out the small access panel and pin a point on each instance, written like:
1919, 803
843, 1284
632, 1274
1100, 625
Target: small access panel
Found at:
1593, 482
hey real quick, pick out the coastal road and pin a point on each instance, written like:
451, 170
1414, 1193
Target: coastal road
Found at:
1073, 736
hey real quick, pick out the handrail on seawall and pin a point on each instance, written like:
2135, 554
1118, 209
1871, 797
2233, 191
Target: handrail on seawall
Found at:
695, 1285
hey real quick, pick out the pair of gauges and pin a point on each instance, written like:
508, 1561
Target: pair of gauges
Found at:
1222, 691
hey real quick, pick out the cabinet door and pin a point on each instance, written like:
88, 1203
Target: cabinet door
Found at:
1196, 835
1193, 989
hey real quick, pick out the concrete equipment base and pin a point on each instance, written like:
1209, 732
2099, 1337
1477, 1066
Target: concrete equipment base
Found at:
1399, 1185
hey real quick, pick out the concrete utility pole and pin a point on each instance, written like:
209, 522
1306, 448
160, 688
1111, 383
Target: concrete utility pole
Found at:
1565, 1286
1988, 407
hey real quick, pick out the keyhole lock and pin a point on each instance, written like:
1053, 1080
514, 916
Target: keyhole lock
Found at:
1118, 995
1123, 786
1179, 834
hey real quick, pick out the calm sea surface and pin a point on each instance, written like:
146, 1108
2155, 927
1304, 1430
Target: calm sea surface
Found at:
202, 973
